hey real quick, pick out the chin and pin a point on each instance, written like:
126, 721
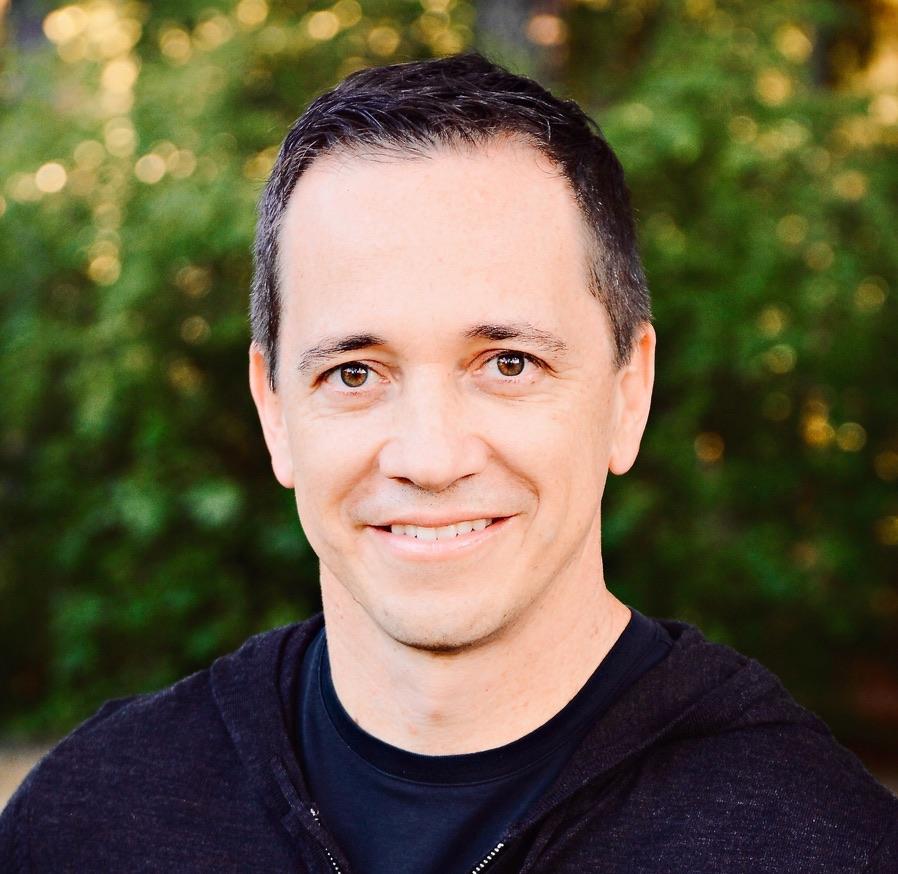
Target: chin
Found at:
440, 633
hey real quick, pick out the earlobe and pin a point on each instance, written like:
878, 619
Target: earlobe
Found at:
269, 408
634, 397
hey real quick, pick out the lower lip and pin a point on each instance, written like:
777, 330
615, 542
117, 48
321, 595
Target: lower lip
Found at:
403, 546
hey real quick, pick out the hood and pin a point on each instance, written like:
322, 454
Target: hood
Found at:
700, 688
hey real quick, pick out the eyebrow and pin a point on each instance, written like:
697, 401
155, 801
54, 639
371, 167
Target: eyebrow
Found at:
524, 331
331, 347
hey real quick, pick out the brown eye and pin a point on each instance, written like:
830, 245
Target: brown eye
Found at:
510, 364
353, 375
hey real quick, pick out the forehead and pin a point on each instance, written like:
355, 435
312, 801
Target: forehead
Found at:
452, 235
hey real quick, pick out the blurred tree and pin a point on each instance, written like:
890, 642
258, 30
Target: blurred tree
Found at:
143, 533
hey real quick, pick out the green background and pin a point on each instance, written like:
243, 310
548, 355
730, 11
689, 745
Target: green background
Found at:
141, 531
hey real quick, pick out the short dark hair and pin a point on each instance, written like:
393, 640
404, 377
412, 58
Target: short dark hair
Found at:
461, 100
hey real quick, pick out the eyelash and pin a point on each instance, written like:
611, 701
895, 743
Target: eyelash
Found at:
509, 380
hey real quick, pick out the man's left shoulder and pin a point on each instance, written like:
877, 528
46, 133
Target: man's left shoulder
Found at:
776, 763
778, 789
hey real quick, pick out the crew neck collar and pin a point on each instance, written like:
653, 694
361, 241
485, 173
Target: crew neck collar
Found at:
491, 764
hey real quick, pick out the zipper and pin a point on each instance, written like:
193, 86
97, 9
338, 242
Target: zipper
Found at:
488, 859
330, 858
480, 866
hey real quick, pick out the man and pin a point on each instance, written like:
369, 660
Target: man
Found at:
452, 347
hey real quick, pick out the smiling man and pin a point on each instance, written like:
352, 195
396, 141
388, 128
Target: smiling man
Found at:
452, 348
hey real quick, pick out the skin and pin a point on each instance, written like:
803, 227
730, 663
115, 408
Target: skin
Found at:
473, 650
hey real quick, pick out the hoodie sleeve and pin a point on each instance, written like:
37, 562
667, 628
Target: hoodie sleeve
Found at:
14, 851
885, 857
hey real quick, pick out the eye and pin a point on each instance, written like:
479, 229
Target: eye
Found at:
352, 375
512, 364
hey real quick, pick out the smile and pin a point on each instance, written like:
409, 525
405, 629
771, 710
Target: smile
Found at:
418, 542
442, 532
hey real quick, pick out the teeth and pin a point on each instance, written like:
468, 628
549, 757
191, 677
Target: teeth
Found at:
444, 532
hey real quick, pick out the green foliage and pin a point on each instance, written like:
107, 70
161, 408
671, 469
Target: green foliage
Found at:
143, 533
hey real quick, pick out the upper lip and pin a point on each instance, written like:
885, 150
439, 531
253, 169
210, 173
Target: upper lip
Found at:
438, 521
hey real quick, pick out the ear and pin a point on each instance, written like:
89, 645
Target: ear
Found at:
634, 396
269, 408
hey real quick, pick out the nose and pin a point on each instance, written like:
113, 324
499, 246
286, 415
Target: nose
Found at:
431, 443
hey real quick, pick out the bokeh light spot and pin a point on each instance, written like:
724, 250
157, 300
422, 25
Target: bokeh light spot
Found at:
886, 465
700, 9
193, 280
150, 168
709, 447
545, 29
120, 137
383, 40
64, 24
119, 75
22, 188
773, 87
184, 376
637, 115
817, 431
819, 255
851, 185
194, 329
213, 32
259, 165
251, 13
181, 164
348, 12
175, 45
323, 25
780, 358
870, 294
104, 269
772, 320
50, 178
272, 40
743, 129
884, 109
793, 43
89, 154
851, 437
792, 229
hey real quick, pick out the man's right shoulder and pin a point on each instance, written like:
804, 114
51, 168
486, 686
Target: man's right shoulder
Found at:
160, 759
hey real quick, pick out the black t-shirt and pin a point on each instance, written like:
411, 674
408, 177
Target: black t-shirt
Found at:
394, 811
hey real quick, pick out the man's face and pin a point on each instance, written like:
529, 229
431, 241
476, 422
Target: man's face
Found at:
428, 268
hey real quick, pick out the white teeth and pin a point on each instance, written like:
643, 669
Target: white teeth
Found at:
443, 532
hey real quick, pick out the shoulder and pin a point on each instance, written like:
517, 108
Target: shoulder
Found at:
775, 797
153, 763
790, 770
131, 750
774, 783
711, 765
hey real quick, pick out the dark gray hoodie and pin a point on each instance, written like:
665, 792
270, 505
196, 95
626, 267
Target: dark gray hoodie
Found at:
705, 764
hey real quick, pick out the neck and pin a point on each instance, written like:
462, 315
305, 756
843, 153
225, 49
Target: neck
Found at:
479, 698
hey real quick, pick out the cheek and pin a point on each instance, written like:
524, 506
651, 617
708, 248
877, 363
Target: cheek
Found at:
329, 462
